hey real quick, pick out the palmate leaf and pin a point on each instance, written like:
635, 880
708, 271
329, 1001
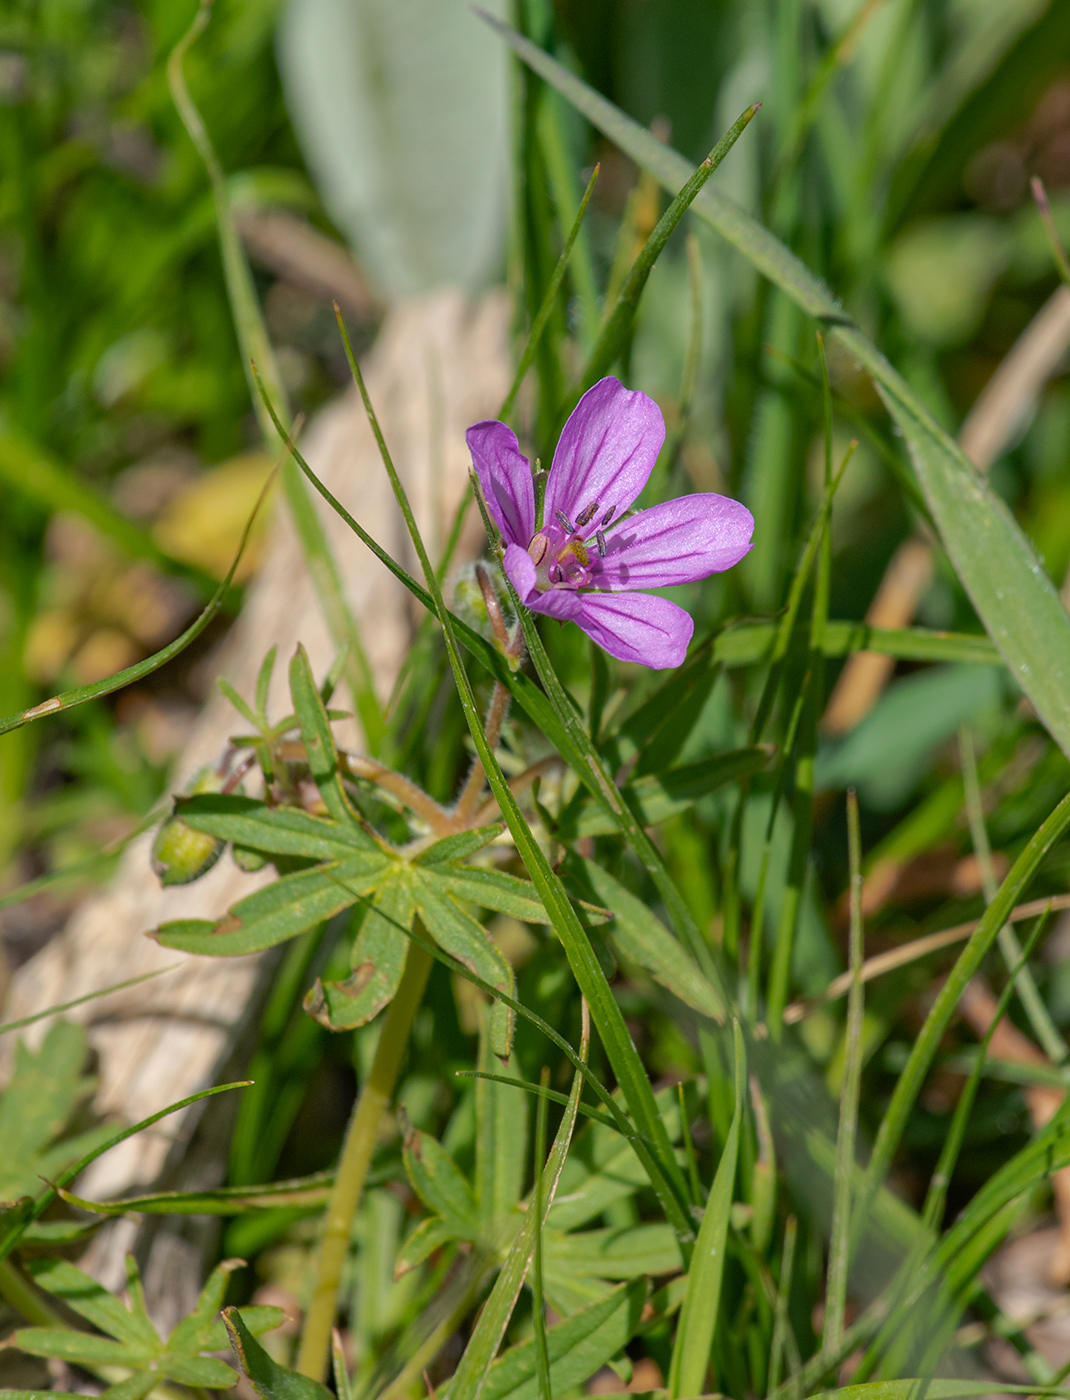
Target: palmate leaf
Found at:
282, 831
1012, 593
270, 1380
440, 1184
46, 1086
131, 1340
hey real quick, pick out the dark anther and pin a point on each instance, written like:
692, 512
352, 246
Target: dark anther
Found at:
600, 540
563, 521
586, 515
608, 515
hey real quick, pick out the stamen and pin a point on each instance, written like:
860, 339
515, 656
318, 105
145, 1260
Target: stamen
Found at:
600, 539
586, 515
537, 549
608, 515
564, 522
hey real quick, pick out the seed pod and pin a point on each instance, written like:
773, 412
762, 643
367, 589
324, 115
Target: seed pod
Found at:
247, 859
181, 855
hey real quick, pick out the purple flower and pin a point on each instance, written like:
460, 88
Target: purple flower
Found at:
586, 558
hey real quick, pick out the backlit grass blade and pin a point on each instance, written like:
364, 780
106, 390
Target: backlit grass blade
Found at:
698, 1316
997, 566
79, 1001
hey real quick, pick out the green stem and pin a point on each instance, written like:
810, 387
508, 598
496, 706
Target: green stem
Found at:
314, 1352
17, 1290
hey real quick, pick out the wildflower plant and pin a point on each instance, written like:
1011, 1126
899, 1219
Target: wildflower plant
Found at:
573, 906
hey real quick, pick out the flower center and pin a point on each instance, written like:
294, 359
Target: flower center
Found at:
560, 551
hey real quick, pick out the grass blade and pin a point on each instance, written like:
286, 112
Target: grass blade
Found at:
698, 1316
840, 1236
70, 698
615, 332
80, 1001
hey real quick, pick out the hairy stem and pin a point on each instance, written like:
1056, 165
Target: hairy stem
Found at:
468, 801
315, 1349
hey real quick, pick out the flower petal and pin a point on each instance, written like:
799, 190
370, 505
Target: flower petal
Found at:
677, 542
505, 479
638, 627
521, 571
606, 451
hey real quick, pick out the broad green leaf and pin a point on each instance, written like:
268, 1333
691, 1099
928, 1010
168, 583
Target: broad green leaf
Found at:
378, 960
459, 847
431, 1234
281, 910
282, 831
643, 938
93, 1302
46, 1086
403, 114
1013, 596
494, 889
577, 1347
698, 1315
439, 1183
458, 934
81, 1348
270, 1380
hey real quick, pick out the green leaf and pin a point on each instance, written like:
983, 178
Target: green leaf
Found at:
486, 1337
282, 831
439, 1183
699, 1313
458, 934
378, 960
577, 1347
90, 1300
627, 1252
45, 1088
319, 738
281, 910
459, 847
224, 1200
643, 939
429, 1235
80, 1348
1014, 597
501, 1141
494, 889
270, 1380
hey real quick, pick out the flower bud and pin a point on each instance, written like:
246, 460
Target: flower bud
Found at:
181, 855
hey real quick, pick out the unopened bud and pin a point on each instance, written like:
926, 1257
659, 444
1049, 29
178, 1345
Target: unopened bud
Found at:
181, 855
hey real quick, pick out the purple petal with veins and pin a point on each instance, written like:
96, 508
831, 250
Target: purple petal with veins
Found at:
638, 627
504, 478
677, 542
606, 452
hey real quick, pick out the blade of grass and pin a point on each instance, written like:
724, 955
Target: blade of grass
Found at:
257, 351
89, 996
781, 1318
1044, 1027
559, 167
538, 1305
488, 1332
925, 1045
698, 1316
20, 1218
70, 698
840, 1235
549, 301
614, 334
1012, 593
668, 1183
